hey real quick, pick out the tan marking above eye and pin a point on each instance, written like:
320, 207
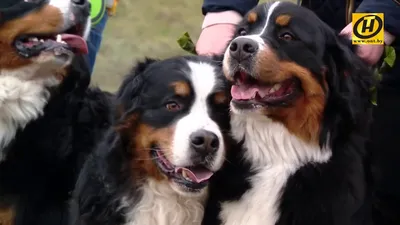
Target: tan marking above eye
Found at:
181, 88
252, 17
220, 98
283, 20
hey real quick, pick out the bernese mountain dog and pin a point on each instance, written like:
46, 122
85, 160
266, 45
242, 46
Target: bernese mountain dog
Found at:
300, 110
169, 136
49, 119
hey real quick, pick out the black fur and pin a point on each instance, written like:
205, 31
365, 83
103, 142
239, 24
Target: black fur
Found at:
45, 157
332, 193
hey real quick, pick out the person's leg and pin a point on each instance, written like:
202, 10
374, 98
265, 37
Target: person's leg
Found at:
385, 150
94, 41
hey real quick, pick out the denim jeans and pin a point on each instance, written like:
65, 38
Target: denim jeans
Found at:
94, 41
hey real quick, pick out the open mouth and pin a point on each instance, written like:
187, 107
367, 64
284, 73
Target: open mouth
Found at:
192, 179
249, 93
62, 44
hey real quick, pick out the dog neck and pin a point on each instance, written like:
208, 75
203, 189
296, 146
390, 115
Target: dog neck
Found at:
270, 143
160, 204
274, 154
21, 101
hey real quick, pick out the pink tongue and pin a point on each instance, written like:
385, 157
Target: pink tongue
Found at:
196, 174
76, 42
244, 92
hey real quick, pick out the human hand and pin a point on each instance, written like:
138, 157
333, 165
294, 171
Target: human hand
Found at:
218, 29
214, 39
369, 53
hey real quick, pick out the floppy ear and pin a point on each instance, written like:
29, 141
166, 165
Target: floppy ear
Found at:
349, 81
128, 94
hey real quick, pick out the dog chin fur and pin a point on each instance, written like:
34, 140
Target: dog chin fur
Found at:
160, 204
21, 101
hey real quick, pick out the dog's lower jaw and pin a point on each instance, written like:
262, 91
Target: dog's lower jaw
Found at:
21, 101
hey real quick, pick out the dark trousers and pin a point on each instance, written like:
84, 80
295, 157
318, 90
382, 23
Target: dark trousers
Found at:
384, 150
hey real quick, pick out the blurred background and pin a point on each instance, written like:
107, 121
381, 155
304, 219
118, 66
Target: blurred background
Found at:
144, 28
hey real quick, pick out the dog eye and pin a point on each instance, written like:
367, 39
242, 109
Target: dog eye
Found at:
286, 37
172, 106
242, 32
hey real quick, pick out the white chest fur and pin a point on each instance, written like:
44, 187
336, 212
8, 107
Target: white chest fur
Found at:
20, 103
161, 205
274, 154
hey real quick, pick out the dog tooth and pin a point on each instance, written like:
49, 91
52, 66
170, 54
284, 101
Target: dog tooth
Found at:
184, 174
272, 90
277, 86
59, 38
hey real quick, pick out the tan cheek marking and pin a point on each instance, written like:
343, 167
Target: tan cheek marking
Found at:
46, 20
252, 17
144, 137
7, 216
220, 98
283, 20
268, 66
304, 117
181, 88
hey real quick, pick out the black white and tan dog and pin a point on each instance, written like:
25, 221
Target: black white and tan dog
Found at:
168, 139
300, 110
49, 119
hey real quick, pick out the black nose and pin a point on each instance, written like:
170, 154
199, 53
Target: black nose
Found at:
204, 142
79, 2
242, 48
81, 12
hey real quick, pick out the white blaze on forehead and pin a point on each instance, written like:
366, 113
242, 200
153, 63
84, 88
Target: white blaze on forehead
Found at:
257, 37
269, 12
203, 80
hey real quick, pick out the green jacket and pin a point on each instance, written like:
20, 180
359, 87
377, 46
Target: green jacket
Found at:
98, 8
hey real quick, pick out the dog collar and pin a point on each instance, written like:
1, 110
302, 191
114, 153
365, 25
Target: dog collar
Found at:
11, 9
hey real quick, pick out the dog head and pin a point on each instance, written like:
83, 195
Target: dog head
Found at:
289, 66
42, 42
174, 115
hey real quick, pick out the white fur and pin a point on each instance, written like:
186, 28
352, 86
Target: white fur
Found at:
21, 101
274, 154
203, 78
161, 205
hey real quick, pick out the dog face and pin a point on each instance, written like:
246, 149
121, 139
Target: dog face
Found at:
174, 115
43, 42
289, 66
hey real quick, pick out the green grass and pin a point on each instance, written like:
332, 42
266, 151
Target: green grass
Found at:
144, 28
